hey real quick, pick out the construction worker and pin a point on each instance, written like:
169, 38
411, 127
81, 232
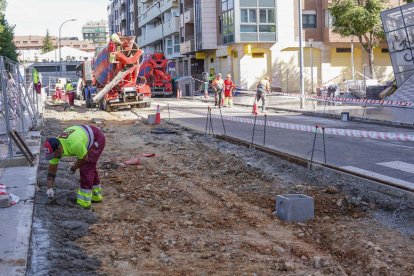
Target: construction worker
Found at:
86, 143
218, 86
114, 45
262, 88
228, 91
59, 90
70, 92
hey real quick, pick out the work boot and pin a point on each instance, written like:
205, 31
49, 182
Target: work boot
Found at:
97, 194
83, 198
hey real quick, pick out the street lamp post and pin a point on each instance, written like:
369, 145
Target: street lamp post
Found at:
60, 51
352, 58
158, 5
302, 83
311, 62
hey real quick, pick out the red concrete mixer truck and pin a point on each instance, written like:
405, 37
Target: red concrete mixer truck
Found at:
115, 70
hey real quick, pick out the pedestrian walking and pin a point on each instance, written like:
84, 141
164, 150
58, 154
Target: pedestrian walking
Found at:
262, 88
228, 91
70, 92
86, 143
218, 87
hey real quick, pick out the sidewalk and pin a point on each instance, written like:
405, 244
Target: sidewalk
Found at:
16, 221
392, 116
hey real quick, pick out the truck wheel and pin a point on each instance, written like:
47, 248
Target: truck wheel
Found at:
104, 106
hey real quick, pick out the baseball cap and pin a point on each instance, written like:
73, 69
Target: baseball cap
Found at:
50, 146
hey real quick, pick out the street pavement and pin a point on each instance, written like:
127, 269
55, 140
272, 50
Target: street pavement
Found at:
387, 160
381, 114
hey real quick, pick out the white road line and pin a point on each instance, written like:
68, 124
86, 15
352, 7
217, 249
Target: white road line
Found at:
391, 144
399, 165
380, 176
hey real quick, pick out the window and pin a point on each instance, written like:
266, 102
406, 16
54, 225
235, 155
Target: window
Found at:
258, 55
328, 19
176, 43
248, 28
267, 15
71, 67
343, 50
47, 68
309, 19
227, 26
169, 46
248, 16
267, 28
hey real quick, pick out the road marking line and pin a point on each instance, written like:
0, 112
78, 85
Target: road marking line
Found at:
399, 165
380, 176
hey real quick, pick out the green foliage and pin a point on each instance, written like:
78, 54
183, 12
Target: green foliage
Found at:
7, 47
47, 43
2, 10
360, 18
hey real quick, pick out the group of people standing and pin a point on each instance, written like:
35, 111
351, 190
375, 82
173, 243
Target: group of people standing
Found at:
227, 87
221, 87
65, 89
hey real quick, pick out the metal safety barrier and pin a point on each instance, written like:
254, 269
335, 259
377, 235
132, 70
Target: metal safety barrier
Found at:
19, 107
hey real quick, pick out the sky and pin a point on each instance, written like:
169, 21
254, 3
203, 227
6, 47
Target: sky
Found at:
33, 17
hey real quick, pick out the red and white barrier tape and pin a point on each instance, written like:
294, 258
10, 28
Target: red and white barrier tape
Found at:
376, 135
339, 99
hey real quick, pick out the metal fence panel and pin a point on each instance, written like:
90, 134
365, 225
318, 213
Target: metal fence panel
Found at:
19, 108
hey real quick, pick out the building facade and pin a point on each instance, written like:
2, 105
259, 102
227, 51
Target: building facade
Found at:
29, 47
97, 32
158, 22
121, 17
249, 39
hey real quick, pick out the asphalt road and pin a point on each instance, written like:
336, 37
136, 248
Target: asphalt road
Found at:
389, 160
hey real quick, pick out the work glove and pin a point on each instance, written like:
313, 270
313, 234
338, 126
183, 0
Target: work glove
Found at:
50, 193
72, 172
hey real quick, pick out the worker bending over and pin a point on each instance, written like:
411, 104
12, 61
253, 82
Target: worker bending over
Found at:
86, 143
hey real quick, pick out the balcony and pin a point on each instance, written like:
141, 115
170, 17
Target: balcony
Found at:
155, 34
123, 16
172, 26
187, 46
189, 15
153, 11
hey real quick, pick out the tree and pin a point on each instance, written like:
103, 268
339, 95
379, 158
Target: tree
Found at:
2, 10
7, 47
360, 18
47, 43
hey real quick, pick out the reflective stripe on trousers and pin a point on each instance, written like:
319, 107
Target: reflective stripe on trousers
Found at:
84, 198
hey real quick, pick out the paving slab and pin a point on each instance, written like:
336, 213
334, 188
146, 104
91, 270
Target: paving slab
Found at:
16, 221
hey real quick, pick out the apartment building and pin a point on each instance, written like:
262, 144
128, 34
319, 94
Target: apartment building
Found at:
198, 36
261, 37
159, 26
97, 32
121, 16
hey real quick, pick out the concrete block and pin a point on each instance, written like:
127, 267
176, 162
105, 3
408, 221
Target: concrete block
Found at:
294, 207
151, 119
5, 201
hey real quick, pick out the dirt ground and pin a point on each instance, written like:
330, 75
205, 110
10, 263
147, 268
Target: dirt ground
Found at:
202, 207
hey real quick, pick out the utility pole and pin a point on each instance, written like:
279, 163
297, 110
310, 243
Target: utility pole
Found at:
302, 82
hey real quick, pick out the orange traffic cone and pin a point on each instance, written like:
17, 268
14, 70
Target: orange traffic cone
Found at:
254, 112
158, 116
